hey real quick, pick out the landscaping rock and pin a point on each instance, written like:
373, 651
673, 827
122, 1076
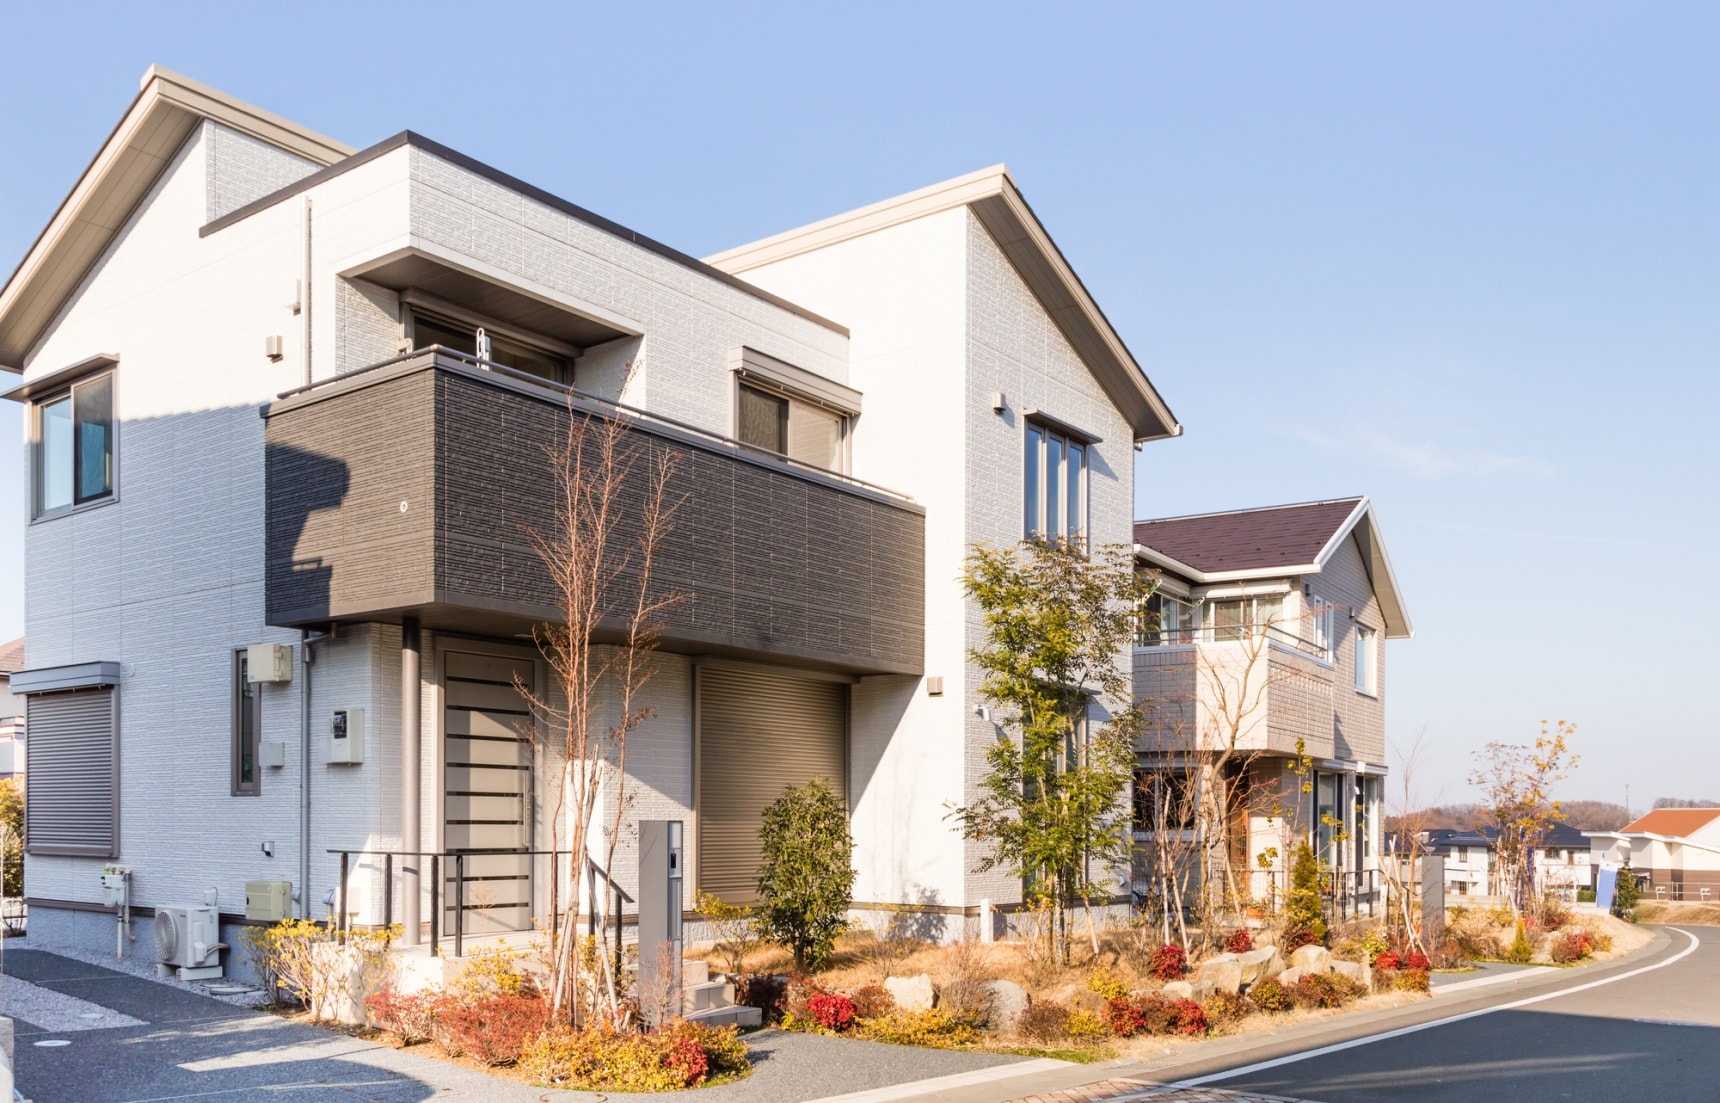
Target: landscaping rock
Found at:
1356, 971
1312, 959
1177, 990
1289, 977
1257, 965
1007, 1001
1223, 972
912, 993
1203, 991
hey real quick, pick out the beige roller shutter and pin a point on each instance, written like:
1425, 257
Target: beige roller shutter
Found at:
759, 733
72, 769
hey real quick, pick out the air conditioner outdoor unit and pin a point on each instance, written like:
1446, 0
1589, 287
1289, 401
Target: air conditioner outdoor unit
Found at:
188, 939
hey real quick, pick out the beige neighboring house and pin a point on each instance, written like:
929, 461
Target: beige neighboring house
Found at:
11, 711
1673, 852
1269, 627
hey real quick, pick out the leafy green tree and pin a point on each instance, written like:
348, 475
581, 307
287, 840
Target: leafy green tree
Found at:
1051, 807
1304, 915
806, 877
12, 820
1625, 894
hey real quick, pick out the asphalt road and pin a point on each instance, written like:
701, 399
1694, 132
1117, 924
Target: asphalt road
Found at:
1647, 1029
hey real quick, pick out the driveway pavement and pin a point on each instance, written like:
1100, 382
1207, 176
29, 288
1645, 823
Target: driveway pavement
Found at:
117, 1038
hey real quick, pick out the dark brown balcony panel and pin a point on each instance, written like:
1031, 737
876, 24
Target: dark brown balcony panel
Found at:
412, 488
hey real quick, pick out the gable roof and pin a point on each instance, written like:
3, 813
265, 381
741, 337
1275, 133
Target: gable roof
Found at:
1674, 821
12, 656
167, 109
998, 204
1274, 542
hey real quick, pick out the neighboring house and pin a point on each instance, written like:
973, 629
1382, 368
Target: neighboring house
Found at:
1268, 627
853, 405
11, 711
1674, 853
1469, 863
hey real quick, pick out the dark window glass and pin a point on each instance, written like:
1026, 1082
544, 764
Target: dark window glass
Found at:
92, 405
427, 331
763, 420
247, 727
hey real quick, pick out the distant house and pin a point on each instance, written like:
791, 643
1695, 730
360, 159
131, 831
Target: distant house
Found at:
1673, 852
11, 711
1267, 633
1472, 866
1469, 863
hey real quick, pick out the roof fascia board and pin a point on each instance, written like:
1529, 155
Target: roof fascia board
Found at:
1165, 562
54, 380
1379, 564
1006, 215
167, 106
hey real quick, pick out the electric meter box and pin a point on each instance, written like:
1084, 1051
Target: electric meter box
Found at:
346, 737
268, 662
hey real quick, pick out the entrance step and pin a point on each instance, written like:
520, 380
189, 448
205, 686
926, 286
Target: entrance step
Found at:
728, 1016
695, 973
707, 996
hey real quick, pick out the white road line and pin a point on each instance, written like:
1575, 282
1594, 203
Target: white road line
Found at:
916, 1088
1339, 1047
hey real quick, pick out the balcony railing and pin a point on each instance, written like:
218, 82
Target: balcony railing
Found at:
1230, 633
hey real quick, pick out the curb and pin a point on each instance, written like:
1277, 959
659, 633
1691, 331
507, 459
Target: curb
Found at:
915, 1088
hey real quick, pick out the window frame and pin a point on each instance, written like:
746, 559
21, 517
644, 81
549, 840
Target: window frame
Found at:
450, 316
1036, 481
68, 391
247, 697
1367, 661
791, 398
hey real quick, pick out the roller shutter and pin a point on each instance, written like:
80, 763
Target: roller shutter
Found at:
72, 767
759, 733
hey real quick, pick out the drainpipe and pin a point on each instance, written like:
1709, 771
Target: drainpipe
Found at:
305, 774
411, 777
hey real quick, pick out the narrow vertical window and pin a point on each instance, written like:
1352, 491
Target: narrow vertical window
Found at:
247, 727
92, 415
1035, 465
1364, 659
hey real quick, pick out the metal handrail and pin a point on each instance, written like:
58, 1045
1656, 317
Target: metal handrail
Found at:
1227, 633
587, 396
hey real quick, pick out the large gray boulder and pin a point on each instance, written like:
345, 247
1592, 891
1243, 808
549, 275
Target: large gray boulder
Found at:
1289, 976
1177, 990
1259, 964
1007, 1001
1356, 971
912, 993
1223, 972
1312, 959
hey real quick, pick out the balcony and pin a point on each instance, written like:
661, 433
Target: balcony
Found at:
409, 489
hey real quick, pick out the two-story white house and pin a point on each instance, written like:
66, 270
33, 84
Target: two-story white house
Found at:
281, 391
1266, 632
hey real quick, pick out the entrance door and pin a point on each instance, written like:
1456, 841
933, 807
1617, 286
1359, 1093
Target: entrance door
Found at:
487, 752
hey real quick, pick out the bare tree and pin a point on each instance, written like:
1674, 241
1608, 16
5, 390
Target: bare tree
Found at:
1516, 781
1402, 868
613, 512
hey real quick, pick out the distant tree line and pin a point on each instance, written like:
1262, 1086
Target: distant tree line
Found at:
1584, 815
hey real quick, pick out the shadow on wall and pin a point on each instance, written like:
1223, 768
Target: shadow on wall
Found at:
300, 484
1341, 748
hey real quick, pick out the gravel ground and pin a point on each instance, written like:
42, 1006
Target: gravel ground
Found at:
56, 1012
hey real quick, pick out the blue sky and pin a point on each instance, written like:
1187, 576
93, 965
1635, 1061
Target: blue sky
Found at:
1460, 259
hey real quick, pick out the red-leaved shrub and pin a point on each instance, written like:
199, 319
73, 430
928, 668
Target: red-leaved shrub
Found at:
1417, 960
409, 1018
1239, 942
1168, 962
492, 1030
686, 1058
831, 1010
871, 1001
1387, 959
1124, 1017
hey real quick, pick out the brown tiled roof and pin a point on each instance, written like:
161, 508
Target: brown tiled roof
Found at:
1248, 539
1675, 821
12, 656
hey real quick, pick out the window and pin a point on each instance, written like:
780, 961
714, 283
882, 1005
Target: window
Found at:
1055, 486
1463, 854
1328, 816
1242, 618
1320, 622
509, 351
791, 427
1364, 659
1163, 796
247, 728
1165, 622
73, 446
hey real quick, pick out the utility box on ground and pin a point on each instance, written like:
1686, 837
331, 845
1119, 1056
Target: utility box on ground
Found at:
662, 855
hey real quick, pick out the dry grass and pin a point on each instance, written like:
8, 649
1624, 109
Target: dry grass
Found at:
1653, 911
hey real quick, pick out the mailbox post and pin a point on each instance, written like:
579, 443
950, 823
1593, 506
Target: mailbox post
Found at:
661, 862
